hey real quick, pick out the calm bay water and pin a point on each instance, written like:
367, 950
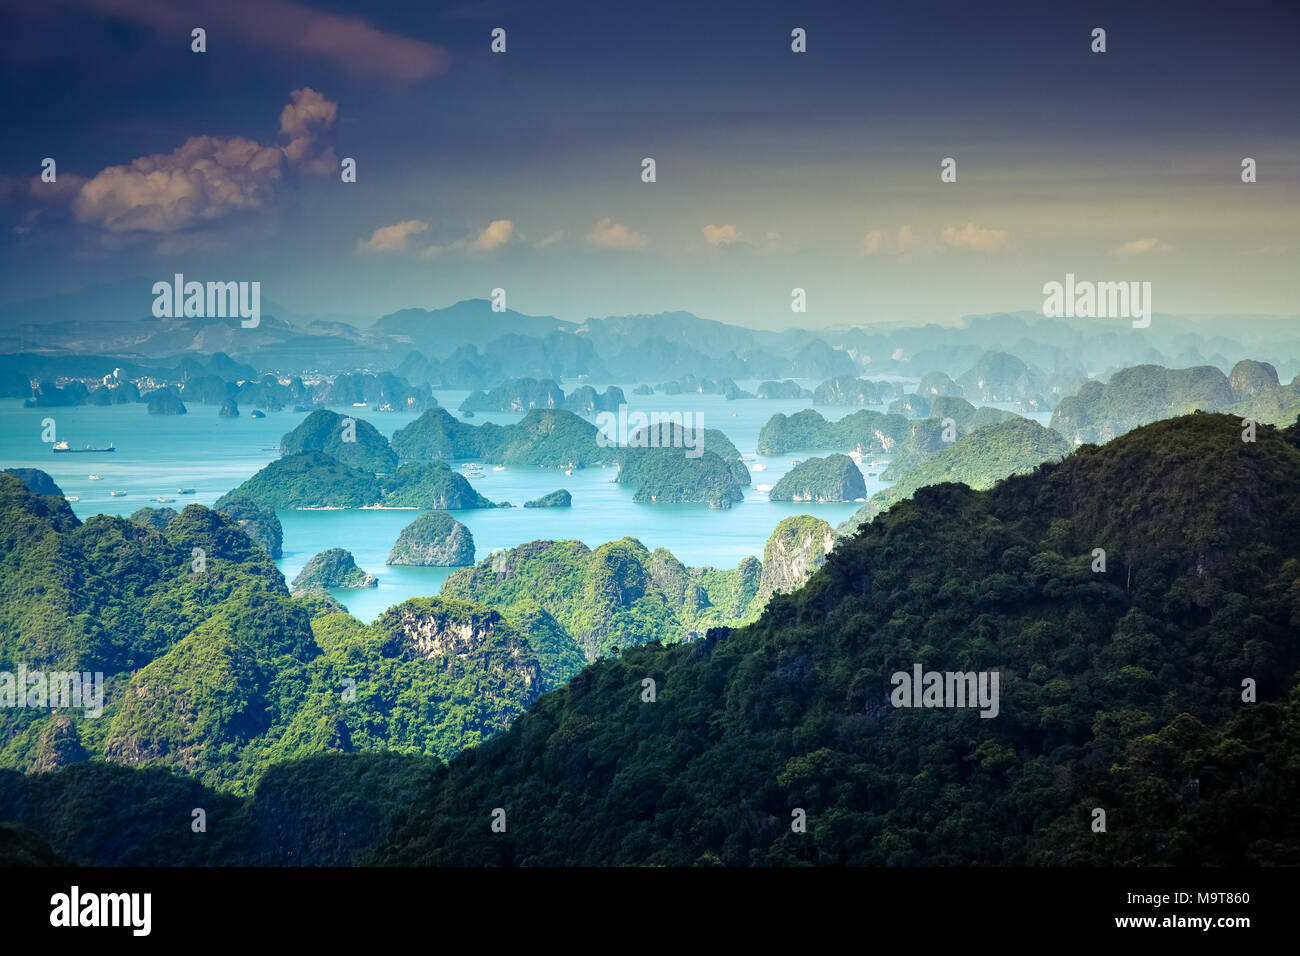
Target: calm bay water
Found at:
157, 455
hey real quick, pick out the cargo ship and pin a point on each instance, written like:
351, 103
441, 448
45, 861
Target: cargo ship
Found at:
62, 446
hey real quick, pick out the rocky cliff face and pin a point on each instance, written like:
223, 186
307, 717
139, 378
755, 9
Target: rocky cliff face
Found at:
796, 549
465, 637
846, 390
1249, 379
58, 746
516, 395
260, 524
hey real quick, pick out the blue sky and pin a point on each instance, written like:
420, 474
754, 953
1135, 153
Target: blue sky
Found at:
775, 170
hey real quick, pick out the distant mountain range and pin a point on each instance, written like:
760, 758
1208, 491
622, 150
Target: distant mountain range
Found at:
467, 345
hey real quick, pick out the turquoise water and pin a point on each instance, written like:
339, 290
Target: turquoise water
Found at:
157, 454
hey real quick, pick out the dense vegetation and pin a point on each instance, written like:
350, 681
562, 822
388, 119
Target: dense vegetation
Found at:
434, 539
585, 400
667, 463
1121, 689
1146, 393
622, 594
332, 568
310, 480
794, 550
212, 669
871, 432
847, 390
978, 459
550, 438
37, 481
616, 596
556, 499
430, 485
353, 441
515, 395
1002, 377
259, 523
833, 478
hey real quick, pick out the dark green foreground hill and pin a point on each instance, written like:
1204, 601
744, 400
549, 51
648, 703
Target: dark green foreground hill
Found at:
1119, 690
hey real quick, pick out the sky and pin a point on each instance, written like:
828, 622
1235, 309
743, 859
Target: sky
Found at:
775, 170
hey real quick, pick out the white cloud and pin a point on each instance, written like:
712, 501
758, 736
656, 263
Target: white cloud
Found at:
302, 120
497, 233
976, 238
207, 177
394, 238
609, 234
1139, 247
878, 242
720, 235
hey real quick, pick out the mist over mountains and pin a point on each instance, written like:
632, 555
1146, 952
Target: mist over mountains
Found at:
467, 345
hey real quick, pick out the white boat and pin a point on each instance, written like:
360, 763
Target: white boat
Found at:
498, 467
358, 404
764, 487
116, 494
164, 499
568, 471
96, 478
794, 461
759, 467
72, 498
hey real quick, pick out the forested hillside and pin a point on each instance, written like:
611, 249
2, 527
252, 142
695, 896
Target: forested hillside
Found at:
1161, 690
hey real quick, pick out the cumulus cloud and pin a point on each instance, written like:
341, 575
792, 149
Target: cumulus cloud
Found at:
720, 235
285, 27
207, 177
394, 238
976, 238
1139, 247
497, 233
879, 242
308, 115
608, 234
202, 180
